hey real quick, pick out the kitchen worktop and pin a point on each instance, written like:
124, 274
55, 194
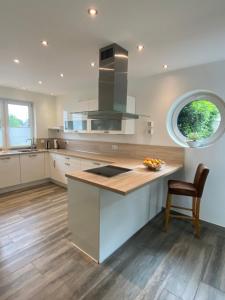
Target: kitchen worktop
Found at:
84, 154
16, 152
126, 182
123, 183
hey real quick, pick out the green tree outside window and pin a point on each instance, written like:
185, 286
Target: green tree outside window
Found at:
198, 119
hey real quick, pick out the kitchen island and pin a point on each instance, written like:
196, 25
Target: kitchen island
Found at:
105, 212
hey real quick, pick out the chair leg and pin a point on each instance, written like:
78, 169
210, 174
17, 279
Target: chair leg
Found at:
193, 210
167, 211
197, 221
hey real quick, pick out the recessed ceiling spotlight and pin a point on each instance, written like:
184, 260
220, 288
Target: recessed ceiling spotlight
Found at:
44, 43
16, 61
140, 47
92, 12
40, 82
61, 75
93, 64
52, 94
165, 67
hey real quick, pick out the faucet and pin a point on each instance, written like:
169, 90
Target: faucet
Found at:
32, 143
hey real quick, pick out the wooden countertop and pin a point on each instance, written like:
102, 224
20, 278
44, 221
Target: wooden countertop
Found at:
123, 183
126, 182
19, 152
84, 155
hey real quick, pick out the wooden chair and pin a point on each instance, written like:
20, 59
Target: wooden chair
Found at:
194, 190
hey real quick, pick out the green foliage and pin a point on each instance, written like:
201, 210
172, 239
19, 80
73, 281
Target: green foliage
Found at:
15, 122
199, 119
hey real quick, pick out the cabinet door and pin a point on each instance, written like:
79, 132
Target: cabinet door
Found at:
106, 126
90, 164
9, 171
130, 105
58, 167
80, 106
92, 105
32, 167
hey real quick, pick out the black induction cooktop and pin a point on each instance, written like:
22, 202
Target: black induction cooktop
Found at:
108, 171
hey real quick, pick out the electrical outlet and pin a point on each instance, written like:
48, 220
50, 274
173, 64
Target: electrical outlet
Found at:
115, 147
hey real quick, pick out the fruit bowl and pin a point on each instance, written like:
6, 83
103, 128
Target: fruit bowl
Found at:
153, 164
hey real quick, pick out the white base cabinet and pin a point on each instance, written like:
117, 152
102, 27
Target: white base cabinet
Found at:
26, 168
101, 221
60, 165
32, 167
9, 171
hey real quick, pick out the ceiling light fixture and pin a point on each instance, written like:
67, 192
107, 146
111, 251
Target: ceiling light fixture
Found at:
93, 64
92, 12
39, 82
16, 61
140, 47
44, 43
61, 75
165, 67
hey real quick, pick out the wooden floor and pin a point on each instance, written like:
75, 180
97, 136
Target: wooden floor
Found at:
38, 261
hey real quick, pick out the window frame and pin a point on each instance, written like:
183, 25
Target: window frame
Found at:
4, 106
181, 102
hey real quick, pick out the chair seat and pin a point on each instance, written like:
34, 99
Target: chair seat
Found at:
177, 187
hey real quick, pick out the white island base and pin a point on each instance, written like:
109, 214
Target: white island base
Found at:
101, 221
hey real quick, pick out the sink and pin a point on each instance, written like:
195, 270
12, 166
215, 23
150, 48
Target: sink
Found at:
27, 150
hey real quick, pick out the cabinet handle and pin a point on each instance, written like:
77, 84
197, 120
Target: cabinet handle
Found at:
67, 164
96, 163
106, 131
54, 163
5, 158
67, 157
32, 155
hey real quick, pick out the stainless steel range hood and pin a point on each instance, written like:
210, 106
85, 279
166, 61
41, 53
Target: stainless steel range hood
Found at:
112, 85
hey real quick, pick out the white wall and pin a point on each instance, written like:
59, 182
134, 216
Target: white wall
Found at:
157, 94
44, 108
154, 96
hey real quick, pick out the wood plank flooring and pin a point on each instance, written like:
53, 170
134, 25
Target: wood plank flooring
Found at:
38, 261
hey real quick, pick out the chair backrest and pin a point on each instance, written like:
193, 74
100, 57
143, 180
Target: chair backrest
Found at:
200, 179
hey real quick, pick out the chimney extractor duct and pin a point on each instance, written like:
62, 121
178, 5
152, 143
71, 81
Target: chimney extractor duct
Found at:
112, 84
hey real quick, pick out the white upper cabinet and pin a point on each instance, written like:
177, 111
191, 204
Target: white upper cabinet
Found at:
78, 123
89, 105
131, 105
9, 171
32, 167
92, 105
80, 106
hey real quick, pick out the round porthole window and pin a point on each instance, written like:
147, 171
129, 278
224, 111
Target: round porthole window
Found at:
197, 119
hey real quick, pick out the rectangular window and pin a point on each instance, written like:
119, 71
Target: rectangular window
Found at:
17, 119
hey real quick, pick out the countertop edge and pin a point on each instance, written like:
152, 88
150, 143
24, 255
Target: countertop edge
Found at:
124, 193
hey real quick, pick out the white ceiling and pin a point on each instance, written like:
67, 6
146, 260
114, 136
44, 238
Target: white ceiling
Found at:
179, 33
